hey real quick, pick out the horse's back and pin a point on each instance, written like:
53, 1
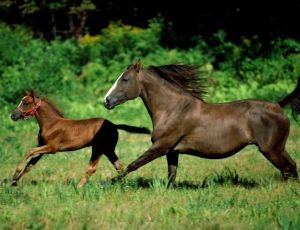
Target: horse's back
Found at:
258, 117
72, 134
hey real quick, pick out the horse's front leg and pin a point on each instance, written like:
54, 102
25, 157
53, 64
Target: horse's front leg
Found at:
27, 168
35, 152
155, 151
172, 159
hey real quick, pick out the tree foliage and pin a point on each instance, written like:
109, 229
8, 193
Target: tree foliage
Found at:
183, 20
90, 64
55, 17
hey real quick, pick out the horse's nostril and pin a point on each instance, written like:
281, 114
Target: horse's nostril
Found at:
13, 117
106, 101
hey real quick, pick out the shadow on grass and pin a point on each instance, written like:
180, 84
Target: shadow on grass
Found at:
231, 177
226, 177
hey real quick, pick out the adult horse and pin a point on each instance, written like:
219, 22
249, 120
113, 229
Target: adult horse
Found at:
58, 134
184, 123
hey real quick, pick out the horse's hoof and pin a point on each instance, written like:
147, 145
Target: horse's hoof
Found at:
118, 178
119, 165
14, 183
80, 185
290, 175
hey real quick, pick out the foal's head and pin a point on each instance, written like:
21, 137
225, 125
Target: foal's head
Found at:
125, 88
27, 107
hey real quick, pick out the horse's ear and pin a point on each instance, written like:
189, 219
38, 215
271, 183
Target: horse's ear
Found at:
31, 93
137, 65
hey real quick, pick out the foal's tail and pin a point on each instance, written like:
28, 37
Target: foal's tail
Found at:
133, 129
293, 99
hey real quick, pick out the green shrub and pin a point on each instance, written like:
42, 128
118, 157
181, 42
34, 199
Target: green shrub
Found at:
123, 43
91, 64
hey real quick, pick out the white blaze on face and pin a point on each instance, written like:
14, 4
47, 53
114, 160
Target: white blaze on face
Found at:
21, 102
113, 87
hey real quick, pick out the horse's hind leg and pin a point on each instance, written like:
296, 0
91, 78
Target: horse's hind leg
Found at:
283, 161
107, 140
172, 159
96, 154
117, 163
291, 168
271, 132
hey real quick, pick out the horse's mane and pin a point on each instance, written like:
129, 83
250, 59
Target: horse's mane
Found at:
32, 93
184, 76
49, 102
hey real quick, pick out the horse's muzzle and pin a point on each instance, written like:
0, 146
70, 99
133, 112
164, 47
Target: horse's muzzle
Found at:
107, 104
16, 115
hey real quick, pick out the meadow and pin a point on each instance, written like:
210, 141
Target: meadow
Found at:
241, 192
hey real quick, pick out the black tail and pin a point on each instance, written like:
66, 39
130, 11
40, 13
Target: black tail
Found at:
133, 129
293, 99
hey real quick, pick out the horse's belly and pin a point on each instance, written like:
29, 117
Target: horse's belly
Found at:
213, 148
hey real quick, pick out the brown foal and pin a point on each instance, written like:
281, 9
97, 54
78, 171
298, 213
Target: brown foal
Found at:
58, 134
184, 123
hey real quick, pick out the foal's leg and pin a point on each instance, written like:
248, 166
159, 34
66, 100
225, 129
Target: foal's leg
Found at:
283, 161
172, 159
32, 161
96, 154
27, 168
108, 146
109, 140
155, 151
35, 152
117, 163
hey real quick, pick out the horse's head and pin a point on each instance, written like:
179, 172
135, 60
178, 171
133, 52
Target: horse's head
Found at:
27, 107
125, 88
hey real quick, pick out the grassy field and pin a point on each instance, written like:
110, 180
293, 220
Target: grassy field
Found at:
241, 192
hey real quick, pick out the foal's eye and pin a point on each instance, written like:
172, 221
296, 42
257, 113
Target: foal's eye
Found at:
124, 79
25, 103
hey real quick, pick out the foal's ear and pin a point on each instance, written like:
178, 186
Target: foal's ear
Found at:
30, 93
137, 65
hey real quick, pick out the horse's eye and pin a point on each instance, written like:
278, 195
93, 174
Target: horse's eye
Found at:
25, 103
124, 79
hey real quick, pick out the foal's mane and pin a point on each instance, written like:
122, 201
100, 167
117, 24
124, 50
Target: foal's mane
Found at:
49, 102
184, 76
32, 93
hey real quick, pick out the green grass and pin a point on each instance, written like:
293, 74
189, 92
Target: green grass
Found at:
241, 192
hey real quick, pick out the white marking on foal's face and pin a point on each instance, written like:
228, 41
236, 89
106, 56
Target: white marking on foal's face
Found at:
113, 87
21, 102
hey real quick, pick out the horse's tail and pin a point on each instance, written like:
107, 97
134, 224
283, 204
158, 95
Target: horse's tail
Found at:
133, 129
293, 99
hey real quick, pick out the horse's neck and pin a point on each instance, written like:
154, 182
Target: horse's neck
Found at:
46, 115
160, 97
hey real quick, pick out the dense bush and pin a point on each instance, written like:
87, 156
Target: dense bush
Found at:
90, 64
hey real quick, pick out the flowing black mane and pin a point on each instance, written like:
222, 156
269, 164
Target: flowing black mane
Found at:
184, 76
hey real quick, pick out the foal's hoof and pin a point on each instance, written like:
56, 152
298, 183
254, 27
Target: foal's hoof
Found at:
14, 183
119, 165
80, 185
